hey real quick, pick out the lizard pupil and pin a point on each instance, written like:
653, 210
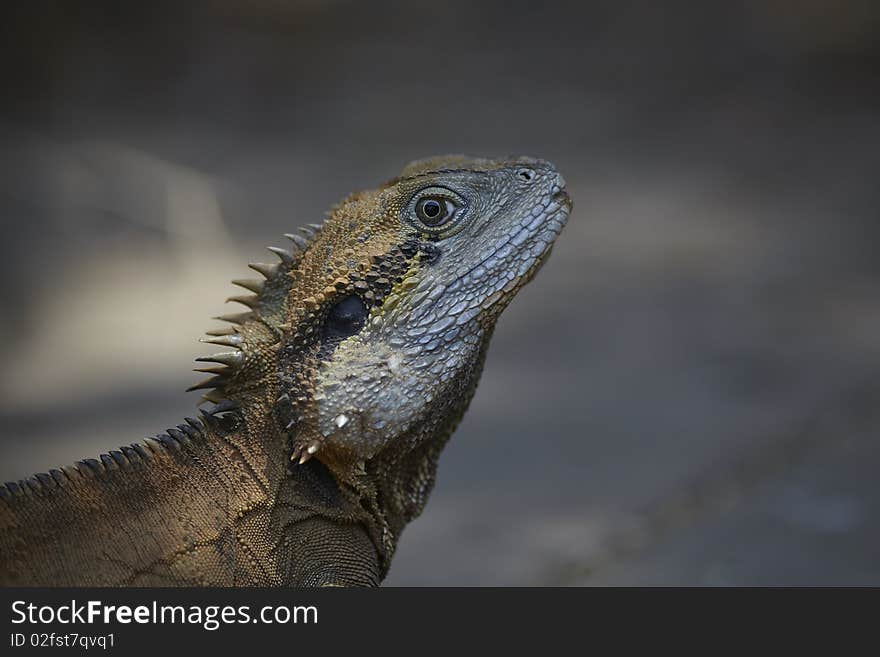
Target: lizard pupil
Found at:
345, 319
434, 211
431, 208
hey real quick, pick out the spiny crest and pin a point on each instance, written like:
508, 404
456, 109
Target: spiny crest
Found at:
265, 305
125, 458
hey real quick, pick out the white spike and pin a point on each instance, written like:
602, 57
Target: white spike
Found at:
300, 241
224, 340
249, 301
229, 358
264, 268
255, 285
285, 256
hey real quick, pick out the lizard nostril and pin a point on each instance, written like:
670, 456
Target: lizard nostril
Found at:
563, 198
526, 175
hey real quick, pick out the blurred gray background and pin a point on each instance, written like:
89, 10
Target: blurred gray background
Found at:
687, 393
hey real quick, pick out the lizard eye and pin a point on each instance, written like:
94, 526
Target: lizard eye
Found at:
435, 211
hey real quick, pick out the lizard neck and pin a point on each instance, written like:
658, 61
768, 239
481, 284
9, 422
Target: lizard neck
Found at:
319, 532
397, 482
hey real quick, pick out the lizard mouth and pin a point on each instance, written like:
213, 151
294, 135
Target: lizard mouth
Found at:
536, 240
562, 198
539, 260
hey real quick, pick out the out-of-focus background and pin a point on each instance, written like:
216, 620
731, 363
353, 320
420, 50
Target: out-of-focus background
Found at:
688, 392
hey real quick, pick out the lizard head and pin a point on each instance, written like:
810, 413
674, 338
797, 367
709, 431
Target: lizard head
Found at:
369, 336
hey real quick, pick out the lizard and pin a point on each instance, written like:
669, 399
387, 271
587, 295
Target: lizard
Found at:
335, 391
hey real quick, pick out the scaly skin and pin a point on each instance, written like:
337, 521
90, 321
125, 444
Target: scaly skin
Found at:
358, 355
